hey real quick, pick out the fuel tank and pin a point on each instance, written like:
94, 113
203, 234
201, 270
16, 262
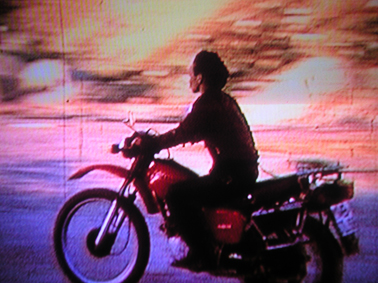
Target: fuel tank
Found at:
227, 225
164, 172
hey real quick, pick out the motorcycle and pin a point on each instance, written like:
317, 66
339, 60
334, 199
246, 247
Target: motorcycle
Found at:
293, 228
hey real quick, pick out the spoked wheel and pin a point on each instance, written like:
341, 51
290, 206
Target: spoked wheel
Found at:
319, 260
122, 255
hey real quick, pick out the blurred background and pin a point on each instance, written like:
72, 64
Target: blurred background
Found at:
304, 72
313, 60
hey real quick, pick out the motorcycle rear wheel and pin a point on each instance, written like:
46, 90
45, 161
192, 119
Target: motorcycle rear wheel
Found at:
323, 252
323, 258
123, 257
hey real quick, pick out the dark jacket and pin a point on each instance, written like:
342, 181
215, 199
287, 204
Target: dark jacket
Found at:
217, 120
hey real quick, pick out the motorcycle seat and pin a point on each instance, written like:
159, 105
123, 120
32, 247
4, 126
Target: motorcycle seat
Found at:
267, 193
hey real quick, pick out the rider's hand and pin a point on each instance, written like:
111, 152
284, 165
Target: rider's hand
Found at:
149, 144
115, 149
137, 144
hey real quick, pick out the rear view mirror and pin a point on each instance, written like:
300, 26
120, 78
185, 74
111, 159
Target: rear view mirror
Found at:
129, 120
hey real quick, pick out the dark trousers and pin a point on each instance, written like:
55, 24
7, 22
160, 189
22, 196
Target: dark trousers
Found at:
186, 199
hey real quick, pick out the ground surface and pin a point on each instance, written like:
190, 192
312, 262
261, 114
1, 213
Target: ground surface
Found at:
38, 155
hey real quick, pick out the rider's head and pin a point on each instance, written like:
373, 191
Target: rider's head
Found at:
208, 69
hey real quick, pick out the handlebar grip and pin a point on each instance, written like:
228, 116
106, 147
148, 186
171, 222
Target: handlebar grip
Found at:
115, 149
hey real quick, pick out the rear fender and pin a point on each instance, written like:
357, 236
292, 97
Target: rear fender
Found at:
113, 169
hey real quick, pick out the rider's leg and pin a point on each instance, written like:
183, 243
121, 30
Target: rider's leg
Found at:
185, 201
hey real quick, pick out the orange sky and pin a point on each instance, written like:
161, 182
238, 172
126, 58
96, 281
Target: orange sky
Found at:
126, 30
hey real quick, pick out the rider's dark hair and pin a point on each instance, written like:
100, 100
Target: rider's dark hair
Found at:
212, 68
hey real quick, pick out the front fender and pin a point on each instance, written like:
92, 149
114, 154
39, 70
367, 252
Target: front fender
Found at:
113, 169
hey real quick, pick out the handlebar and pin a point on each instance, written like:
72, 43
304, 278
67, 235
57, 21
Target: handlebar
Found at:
115, 149
128, 152
134, 145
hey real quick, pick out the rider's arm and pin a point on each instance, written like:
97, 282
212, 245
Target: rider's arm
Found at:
189, 130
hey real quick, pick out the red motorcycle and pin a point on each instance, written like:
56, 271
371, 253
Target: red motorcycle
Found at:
295, 228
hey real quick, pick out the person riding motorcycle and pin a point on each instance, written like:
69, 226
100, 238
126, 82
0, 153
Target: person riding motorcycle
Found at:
216, 119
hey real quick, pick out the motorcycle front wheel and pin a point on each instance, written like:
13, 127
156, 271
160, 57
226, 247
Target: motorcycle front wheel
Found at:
124, 254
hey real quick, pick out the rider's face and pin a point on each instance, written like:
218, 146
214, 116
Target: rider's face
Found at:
195, 81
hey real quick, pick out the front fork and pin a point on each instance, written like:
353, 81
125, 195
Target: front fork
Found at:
114, 217
111, 223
